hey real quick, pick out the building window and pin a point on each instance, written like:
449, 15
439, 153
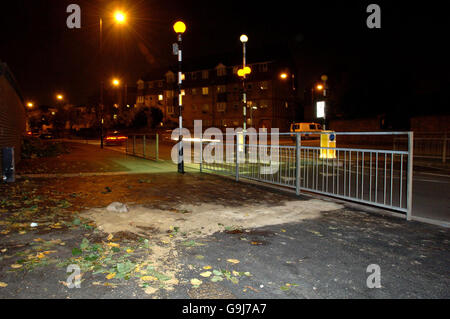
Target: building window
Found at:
160, 97
160, 84
205, 91
194, 107
140, 99
263, 104
169, 94
170, 109
150, 85
170, 77
264, 85
193, 75
221, 88
263, 67
222, 71
221, 106
205, 74
205, 108
194, 91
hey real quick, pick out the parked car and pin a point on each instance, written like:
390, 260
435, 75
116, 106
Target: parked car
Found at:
115, 138
47, 136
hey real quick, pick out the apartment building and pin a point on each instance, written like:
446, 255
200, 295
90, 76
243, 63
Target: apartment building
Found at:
212, 92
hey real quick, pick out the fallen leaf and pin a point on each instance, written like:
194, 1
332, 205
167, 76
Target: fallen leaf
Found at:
206, 274
113, 245
16, 266
110, 236
111, 275
3, 284
216, 278
196, 282
207, 267
199, 256
233, 261
150, 290
149, 278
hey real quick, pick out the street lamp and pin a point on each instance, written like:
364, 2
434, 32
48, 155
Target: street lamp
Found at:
245, 70
179, 27
115, 82
59, 97
119, 18
30, 104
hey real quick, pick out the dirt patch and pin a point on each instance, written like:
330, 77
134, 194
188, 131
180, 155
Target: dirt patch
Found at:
205, 219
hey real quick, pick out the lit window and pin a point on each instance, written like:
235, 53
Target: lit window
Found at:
115, 116
221, 106
194, 91
160, 97
169, 94
221, 71
205, 91
264, 85
170, 109
205, 108
221, 88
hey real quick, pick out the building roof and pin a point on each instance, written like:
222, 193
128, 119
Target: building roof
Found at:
228, 59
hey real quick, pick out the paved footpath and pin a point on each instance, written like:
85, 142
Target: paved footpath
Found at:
326, 254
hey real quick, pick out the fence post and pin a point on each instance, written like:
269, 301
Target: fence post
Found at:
201, 154
157, 146
143, 145
134, 144
444, 149
410, 175
297, 165
237, 158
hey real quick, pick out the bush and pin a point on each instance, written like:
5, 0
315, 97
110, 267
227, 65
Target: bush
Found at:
33, 147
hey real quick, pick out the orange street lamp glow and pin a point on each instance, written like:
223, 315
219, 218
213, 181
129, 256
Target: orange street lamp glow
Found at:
59, 97
243, 38
319, 87
243, 72
120, 17
179, 27
283, 75
115, 82
30, 104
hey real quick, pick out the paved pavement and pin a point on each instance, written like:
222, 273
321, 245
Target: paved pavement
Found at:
322, 257
431, 189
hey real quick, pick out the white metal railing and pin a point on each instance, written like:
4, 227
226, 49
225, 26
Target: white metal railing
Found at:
371, 175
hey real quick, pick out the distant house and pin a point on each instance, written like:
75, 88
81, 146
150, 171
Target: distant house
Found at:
12, 112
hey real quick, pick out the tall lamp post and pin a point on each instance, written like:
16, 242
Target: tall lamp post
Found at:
179, 28
120, 18
244, 40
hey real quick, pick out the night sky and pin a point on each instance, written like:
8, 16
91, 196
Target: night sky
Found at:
402, 65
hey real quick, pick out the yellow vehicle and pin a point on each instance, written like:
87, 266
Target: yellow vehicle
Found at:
306, 127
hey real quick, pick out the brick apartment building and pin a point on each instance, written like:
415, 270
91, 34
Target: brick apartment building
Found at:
12, 112
212, 92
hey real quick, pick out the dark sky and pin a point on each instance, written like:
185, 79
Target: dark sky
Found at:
323, 36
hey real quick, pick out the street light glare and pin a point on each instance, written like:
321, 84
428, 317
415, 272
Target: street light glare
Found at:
115, 82
119, 16
179, 27
59, 97
283, 75
244, 38
30, 104
319, 87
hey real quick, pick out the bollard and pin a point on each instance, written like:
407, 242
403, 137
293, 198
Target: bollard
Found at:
8, 174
